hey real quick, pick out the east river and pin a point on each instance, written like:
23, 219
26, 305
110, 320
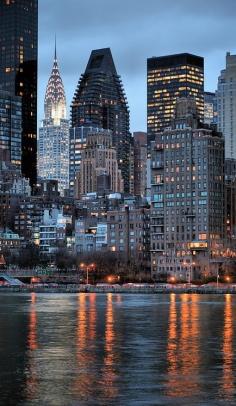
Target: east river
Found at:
95, 349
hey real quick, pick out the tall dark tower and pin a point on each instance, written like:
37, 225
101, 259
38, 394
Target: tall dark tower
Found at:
169, 78
18, 70
100, 100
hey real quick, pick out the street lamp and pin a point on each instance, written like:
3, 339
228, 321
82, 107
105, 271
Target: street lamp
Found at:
217, 279
87, 267
172, 279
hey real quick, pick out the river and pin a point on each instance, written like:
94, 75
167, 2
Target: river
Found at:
123, 350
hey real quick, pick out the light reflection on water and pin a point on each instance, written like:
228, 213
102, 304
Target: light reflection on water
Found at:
90, 349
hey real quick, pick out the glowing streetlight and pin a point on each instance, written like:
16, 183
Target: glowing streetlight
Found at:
87, 267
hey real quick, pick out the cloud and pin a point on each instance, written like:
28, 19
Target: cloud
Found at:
134, 30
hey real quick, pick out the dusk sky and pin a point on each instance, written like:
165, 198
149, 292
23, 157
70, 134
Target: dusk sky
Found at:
134, 30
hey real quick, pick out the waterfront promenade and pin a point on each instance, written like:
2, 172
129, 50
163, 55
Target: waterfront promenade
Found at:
125, 289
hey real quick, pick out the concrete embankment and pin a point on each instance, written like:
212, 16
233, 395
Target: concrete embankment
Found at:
121, 289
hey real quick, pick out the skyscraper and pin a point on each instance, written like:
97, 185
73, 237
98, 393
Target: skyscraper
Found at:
100, 100
169, 78
78, 139
99, 171
226, 105
53, 143
18, 70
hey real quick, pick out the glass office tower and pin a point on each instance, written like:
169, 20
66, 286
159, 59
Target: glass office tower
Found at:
18, 70
168, 79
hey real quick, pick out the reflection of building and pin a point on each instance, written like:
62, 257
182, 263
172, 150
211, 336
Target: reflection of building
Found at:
18, 70
226, 105
169, 78
187, 219
99, 168
53, 148
210, 108
10, 128
100, 100
140, 163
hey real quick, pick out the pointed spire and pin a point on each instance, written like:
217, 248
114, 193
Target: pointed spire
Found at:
55, 54
55, 99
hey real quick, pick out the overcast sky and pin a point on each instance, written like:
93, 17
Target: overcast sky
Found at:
134, 30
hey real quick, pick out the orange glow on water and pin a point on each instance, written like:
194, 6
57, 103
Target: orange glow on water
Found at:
183, 347
32, 379
228, 350
92, 316
32, 336
109, 375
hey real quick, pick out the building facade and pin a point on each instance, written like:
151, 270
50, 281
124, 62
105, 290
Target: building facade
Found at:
52, 231
187, 218
140, 163
226, 105
128, 233
230, 203
90, 235
210, 108
78, 138
100, 101
10, 128
99, 172
53, 142
18, 70
169, 78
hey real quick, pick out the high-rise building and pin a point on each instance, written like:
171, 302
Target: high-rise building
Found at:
78, 138
18, 70
10, 129
226, 105
100, 100
53, 142
168, 79
140, 163
210, 108
187, 218
99, 171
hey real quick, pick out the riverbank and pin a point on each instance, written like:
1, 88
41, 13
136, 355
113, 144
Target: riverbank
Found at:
118, 289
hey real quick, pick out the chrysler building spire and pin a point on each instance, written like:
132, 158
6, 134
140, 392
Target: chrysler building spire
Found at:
53, 140
55, 98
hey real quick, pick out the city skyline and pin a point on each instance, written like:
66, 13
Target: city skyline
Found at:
145, 37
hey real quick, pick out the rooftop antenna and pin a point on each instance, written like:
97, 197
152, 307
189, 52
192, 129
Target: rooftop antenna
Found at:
55, 55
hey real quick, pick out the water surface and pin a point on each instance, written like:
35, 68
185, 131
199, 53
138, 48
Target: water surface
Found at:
91, 349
